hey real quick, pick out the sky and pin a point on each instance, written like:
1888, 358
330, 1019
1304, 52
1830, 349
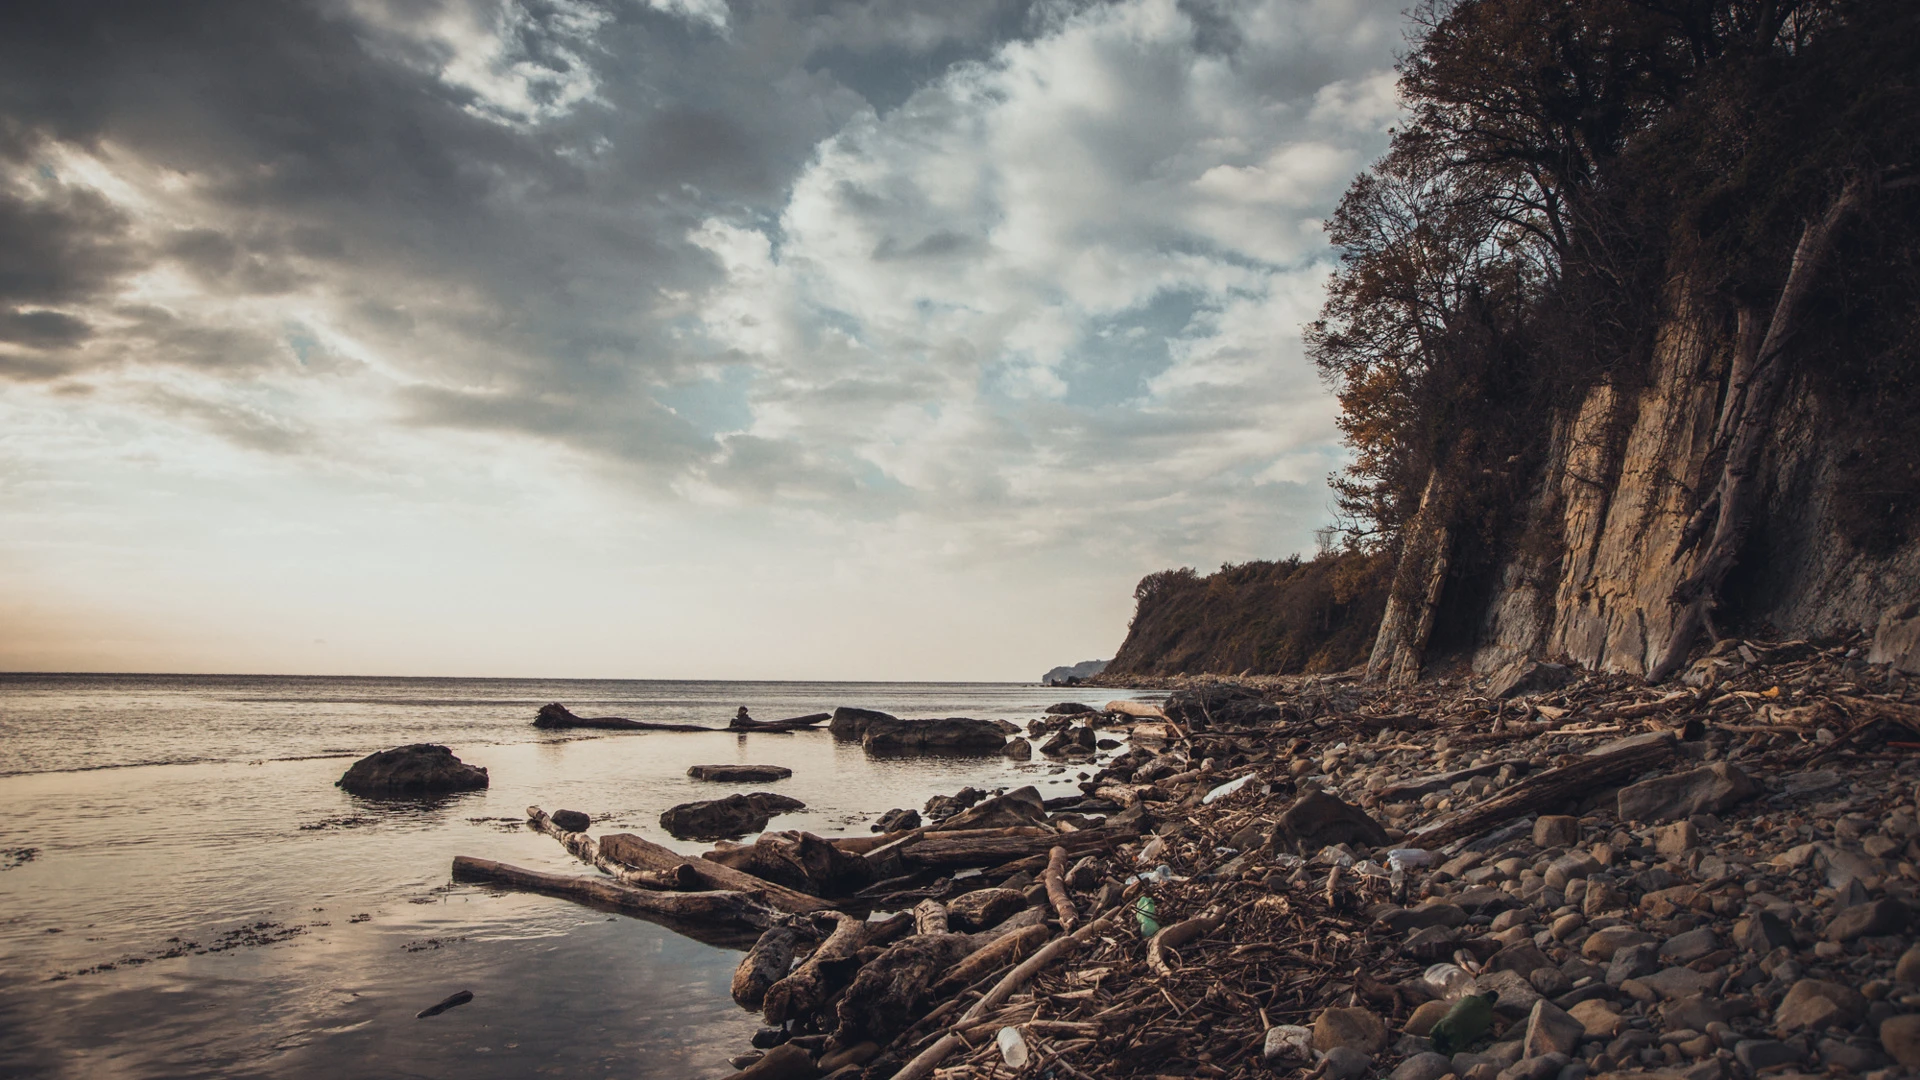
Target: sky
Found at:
836, 339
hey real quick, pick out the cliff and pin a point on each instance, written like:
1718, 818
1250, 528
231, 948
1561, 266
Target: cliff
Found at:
1256, 618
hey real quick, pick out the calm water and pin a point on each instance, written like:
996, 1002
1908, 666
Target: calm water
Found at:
200, 900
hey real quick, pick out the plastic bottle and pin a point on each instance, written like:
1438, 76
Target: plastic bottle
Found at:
1145, 910
1013, 1047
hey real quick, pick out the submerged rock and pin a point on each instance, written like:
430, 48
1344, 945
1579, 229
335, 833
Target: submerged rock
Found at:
718, 819
419, 769
734, 773
952, 735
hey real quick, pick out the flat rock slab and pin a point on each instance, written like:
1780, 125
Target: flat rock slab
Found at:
735, 773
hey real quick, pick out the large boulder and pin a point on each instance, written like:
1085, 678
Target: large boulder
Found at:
719, 819
1698, 791
850, 724
419, 769
1319, 820
1021, 806
952, 735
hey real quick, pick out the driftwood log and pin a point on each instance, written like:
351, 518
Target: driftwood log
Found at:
703, 907
1177, 935
1056, 879
627, 849
587, 850
1010, 948
765, 964
1598, 768
795, 723
810, 985
557, 715
930, 917
935, 850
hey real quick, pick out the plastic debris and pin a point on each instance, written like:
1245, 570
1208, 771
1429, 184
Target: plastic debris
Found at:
1145, 910
1409, 858
1013, 1047
1226, 789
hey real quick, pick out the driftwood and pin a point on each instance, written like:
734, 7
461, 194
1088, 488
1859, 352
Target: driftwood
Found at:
703, 907
1177, 935
1056, 879
929, 1059
930, 917
1009, 949
587, 850
888, 992
765, 964
810, 985
557, 715
1551, 788
630, 850
795, 723
986, 851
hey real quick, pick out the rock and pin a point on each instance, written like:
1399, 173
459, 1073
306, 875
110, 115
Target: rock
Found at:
1568, 869
1517, 995
984, 909
1069, 708
1424, 1017
1897, 641
952, 735
1432, 943
784, 1062
1875, 918
1602, 897
1550, 1030
1427, 1066
1018, 749
1679, 795
737, 773
897, 820
1679, 982
1597, 1019
1632, 962
1521, 959
1287, 1041
1758, 1054
1815, 1004
850, 724
720, 819
1565, 926
1699, 1012
1762, 932
1602, 944
1346, 1063
1078, 739
1528, 677
1675, 840
1908, 969
1550, 981
1852, 1057
1431, 913
1358, 1028
1690, 946
1021, 806
570, 820
1900, 1037
1541, 1067
1556, 830
418, 769
1320, 820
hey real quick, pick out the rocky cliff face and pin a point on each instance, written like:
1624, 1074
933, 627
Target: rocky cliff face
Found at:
1591, 578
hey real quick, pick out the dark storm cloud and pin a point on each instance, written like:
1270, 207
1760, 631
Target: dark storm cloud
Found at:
502, 190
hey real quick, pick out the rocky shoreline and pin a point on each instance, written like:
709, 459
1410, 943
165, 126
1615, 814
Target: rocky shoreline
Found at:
1716, 882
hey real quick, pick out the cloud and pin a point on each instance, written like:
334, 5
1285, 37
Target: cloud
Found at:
989, 287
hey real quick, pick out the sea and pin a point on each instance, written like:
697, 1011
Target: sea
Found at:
184, 892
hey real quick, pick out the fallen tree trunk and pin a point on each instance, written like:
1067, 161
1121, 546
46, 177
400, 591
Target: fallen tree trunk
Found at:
557, 715
765, 964
702, 907
630, 850
795, 723
1551, 788
587, 850
988, 851
810, 985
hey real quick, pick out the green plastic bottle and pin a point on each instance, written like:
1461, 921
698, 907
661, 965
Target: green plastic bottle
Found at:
1145, 909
